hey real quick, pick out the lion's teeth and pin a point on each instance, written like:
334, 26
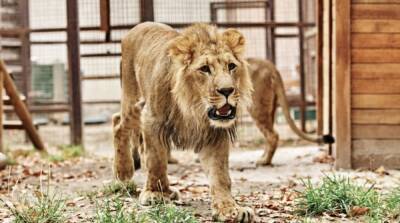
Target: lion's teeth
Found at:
229, 112
218, 113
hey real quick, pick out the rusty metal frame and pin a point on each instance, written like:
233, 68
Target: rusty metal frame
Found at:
146, 14
105, 20
303, 106
25, 47
320, 65
74, 70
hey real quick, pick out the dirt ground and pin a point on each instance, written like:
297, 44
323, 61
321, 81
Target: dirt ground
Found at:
269, 190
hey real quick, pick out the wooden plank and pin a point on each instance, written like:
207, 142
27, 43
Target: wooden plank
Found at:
376, 147
375, 86
376, 116
376, 1
343, 80
375, 71
16, 125
376, 161
375, 26
370, 11
7, 101
42, 109
375, 101
370, 40
1, 111
371, 154
20, 109
368, 131
375, 55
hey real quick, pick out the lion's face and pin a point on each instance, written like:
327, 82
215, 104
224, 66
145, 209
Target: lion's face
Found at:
211, 81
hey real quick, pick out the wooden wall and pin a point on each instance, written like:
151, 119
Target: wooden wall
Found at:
375, 83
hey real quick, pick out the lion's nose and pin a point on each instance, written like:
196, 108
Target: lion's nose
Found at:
226, 91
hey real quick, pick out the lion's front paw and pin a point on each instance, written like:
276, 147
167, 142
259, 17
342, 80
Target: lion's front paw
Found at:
233, 213
147, 197
124, 172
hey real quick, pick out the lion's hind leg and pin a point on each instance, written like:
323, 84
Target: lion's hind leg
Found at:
126, 127
264, 119
272, 139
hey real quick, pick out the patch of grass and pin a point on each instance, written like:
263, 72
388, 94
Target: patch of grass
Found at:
72, 151
67, 152
124, 189
167, 213
113, 211
392, 204
55, 158
10, 160
338, 195
42, 208
117, 188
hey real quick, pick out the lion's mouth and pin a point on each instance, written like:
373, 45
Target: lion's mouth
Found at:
226, 112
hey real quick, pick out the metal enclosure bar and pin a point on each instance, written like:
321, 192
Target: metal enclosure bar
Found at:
146, 10
301, 69
75, 97
105, 18
320, 63
25, 47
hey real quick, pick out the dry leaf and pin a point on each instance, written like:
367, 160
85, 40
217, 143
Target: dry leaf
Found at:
357, 211
381, 171
323, 158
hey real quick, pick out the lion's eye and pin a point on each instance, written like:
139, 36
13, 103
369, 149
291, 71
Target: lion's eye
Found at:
205, 69
231, 66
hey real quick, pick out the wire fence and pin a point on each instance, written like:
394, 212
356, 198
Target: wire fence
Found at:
100, 51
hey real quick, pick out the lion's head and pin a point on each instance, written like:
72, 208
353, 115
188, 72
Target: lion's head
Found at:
210, 79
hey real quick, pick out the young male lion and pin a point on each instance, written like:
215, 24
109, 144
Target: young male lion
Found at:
182, 89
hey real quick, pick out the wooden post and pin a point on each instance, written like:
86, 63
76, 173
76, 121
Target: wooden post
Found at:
1, 111
75, 97
20, 108
301, 69
146, 10
343, 84
320, 62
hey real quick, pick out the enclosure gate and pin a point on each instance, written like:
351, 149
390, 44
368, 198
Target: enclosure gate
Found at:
92, 50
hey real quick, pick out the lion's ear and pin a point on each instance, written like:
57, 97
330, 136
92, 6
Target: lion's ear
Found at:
235, 40
182, 48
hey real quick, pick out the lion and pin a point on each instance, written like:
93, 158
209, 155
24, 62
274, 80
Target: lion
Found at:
269, 92
182, 90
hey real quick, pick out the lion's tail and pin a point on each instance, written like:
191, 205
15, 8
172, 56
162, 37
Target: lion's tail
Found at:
283, 102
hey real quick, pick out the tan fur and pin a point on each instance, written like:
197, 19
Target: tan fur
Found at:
268, 93
165, 99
